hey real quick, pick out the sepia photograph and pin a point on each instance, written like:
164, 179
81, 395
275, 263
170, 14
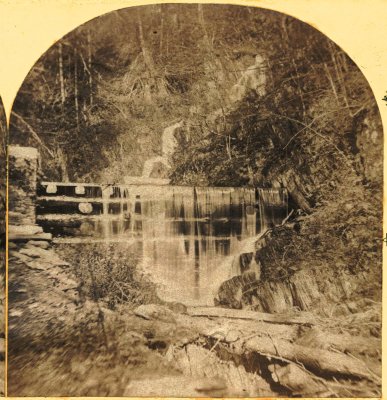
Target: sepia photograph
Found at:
195, 210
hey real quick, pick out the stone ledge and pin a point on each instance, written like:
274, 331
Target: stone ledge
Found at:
23, 152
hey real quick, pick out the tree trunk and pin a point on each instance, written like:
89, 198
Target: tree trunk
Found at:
203, 25
161, 28
216, 74
340, 78
61, 77
76, 103
158, 81
329, 76
61, 157
89, 60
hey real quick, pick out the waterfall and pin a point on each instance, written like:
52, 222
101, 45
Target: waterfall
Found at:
273, 206
187, 232
168, 139
190, 237
168, 145
115, 215
187, 239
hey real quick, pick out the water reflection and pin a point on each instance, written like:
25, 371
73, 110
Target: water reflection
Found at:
186, 233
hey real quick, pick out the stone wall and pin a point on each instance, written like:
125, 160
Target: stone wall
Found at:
23, 165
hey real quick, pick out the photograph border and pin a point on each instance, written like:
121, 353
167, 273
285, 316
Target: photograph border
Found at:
28, 29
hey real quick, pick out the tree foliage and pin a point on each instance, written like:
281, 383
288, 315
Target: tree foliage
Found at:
317, 110
100, 98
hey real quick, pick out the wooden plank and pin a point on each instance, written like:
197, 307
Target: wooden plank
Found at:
88, 239
77, 217
140, 181
68, 199
130, 182
72, 184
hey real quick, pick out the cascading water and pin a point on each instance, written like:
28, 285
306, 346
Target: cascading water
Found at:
272, 202
187, 238
168, 144
188, 232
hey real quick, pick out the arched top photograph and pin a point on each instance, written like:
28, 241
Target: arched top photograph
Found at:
194, 196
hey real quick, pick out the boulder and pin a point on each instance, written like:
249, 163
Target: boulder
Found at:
177, 307
155, 312
231, 292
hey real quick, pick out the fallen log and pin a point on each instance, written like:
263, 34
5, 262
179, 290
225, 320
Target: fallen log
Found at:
322, 362
314, 371
285, 319
301, 382
344, 342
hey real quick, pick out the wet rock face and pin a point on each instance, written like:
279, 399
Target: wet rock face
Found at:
232, 292
272, 297
302, 291
254, 289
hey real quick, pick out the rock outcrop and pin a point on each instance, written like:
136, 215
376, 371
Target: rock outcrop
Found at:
55, 291
301, 289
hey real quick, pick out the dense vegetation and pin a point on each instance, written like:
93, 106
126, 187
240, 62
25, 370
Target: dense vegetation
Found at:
109, 273
97, 102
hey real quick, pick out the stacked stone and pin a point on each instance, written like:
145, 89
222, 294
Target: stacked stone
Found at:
23, 163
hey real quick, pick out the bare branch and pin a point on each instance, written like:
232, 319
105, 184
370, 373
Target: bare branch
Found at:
33, 133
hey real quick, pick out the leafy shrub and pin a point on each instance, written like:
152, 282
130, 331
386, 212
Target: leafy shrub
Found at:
110, 272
